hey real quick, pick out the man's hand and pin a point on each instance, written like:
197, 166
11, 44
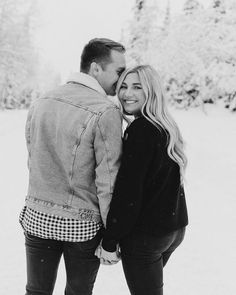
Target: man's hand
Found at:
107, 258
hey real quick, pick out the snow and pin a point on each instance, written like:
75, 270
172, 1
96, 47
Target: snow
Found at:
203, 264
202, 59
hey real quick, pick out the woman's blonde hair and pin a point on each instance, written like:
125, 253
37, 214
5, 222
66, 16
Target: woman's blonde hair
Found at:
155, 110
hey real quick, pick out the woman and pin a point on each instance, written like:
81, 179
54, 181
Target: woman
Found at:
148, 211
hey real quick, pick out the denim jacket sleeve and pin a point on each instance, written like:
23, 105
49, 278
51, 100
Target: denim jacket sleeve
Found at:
107, 147
27, 131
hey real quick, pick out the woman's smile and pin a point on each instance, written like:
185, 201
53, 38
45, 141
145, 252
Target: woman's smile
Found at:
129, 101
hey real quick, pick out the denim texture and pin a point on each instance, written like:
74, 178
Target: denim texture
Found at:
43, 257
143, 259
74, 141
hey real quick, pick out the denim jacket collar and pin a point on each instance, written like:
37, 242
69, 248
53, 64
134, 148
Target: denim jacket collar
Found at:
86, 80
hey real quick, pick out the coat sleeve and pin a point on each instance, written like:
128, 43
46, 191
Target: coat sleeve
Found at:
28, 132
129, 187
107, 149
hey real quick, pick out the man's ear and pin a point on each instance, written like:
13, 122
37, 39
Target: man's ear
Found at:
95, 69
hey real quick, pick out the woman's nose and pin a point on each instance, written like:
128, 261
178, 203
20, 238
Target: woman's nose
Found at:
128, 92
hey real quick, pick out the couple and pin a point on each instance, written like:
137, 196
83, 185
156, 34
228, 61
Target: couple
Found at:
92, 198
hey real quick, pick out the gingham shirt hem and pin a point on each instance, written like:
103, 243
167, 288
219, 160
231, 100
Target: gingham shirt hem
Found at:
48, 226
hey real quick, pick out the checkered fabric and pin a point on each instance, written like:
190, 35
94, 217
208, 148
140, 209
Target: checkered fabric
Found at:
49, 226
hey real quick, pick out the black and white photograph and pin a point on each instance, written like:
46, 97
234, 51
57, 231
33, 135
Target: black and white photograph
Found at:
117, 147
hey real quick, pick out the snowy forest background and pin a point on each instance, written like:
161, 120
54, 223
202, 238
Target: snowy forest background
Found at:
194, 51
23, 73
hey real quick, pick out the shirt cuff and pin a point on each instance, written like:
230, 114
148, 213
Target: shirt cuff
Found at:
109, 245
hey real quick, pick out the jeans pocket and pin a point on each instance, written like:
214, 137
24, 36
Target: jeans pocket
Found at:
91, 244
33, 242
30, 239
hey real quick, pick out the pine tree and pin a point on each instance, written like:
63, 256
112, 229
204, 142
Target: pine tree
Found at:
219, 5
139, 7
17, 55
167, 19
137, 42
219, 8
191, 6
140, 30
195, 55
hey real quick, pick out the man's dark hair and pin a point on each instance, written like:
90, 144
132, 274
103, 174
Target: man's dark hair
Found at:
98, 50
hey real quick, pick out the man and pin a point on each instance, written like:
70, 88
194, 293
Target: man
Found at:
73, 137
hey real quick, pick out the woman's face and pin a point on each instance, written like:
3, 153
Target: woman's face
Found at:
131, 95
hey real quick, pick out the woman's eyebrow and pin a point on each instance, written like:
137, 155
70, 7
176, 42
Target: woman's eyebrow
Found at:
135, 83
121, 69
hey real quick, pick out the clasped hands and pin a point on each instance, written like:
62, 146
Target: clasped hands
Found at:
107, 258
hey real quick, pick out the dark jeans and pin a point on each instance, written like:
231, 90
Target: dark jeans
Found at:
43, 257
143, 259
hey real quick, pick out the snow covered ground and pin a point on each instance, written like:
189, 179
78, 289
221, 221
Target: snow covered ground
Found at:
203, 265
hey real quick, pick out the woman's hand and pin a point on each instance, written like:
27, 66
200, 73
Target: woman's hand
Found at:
107, 258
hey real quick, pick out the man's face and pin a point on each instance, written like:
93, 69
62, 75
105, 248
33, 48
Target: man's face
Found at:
109, 76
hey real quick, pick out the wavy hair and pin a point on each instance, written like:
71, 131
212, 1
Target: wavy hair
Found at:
155, 110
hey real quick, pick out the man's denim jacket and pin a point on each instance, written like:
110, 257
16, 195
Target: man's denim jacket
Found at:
74, 141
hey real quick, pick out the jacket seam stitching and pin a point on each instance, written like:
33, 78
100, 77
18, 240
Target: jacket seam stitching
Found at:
113, 106
106, 150
75, 105
77, 145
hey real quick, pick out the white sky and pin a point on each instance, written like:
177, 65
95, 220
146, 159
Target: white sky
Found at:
67, 25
